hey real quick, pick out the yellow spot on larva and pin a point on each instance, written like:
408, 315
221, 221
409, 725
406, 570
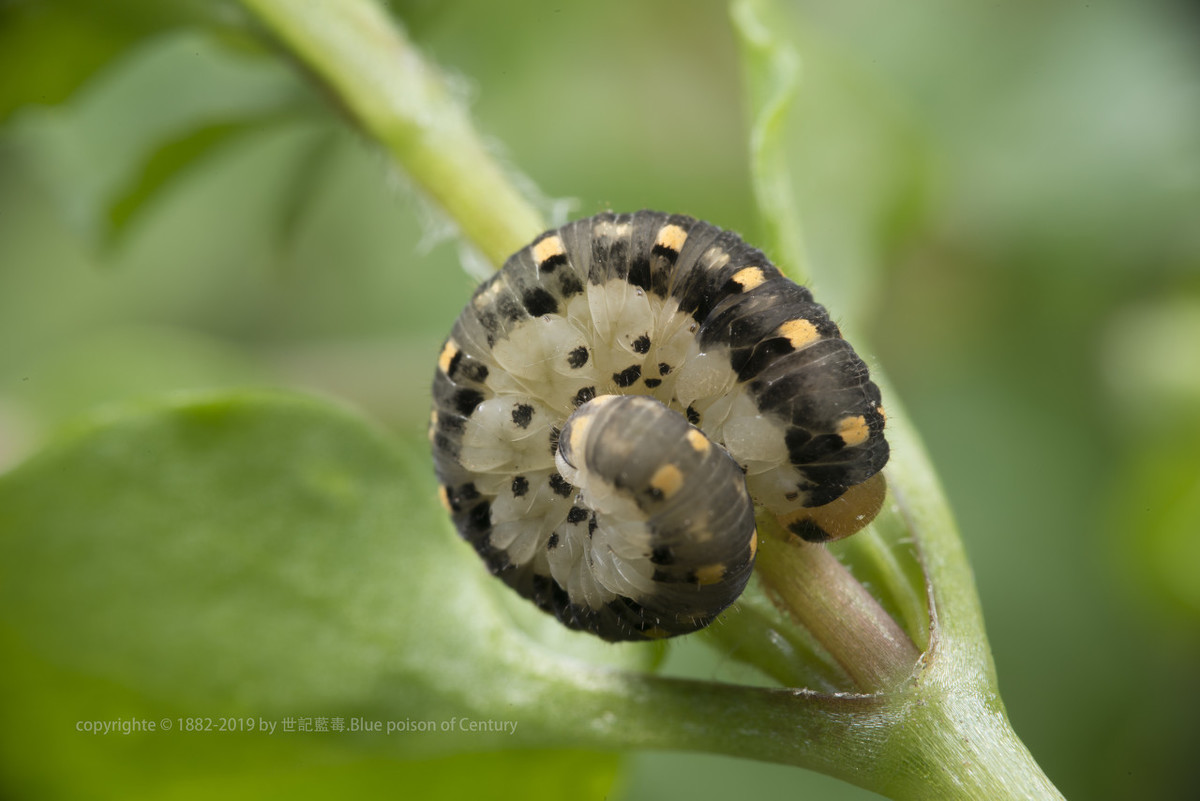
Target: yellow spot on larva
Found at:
607, 229
799, 333
672, 237
433, 418
853, 430
600, 400
710, 574
547, 249
882, 413
749, 277
753, 543
449, 351
444, 497
698, 441
655, 633
488, 296
667, 480
579, 429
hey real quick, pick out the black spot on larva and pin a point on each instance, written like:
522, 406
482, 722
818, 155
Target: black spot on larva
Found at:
796, 439
554, 432
548, 594
522, 413
475, 371
662, 555
549, 265
732, 287
655, 493
639, 273
480, 518
628, 376
520, 486
465, 401
693, 416
807, 530
538, 302
652, 382
569, 284
750, 362
641, 344
540, 587
443, 444
663, 368
508, 308
583, 396
552, 543
791, 496
490, 323
578, 357
815, 449
670, 254
577, 514
496, 560
560, 485
592, 524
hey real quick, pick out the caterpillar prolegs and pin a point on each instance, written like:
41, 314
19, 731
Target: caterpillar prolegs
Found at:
612, 404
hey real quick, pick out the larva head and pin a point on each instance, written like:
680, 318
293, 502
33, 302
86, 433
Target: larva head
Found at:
663, 492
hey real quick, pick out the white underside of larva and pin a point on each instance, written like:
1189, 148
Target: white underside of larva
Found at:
533, 369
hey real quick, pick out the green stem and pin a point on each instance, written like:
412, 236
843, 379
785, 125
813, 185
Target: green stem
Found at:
827, 601
402, 101
756, 631
941, 734
773, 71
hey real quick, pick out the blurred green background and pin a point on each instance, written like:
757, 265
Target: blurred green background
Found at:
1003, 199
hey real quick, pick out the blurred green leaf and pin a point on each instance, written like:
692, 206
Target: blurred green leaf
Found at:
125, 362
252, 555
173, 102
57, 45
1154, 402
171, 161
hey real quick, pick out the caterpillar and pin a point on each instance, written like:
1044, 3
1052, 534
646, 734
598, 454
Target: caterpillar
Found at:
615, 402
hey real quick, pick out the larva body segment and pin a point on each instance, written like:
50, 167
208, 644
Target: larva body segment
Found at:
628, 516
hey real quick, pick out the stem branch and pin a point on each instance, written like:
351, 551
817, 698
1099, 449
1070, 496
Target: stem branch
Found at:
823, 597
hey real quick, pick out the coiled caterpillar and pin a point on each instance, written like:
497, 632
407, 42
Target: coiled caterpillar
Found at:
613, 403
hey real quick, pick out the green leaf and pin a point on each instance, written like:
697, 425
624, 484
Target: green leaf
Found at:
170, 105
256, 556
57, 45
173, 159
